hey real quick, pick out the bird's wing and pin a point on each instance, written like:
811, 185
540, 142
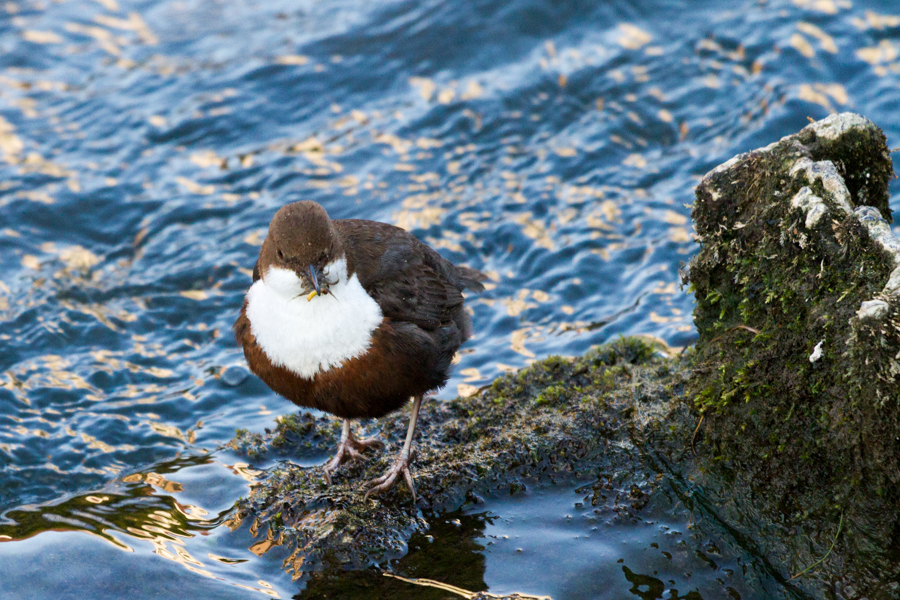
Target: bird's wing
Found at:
409, 281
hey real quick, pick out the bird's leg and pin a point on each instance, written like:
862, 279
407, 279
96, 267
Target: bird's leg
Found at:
349, 448
401, 463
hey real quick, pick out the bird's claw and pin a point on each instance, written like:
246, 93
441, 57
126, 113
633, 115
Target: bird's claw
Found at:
348, 449
400, 466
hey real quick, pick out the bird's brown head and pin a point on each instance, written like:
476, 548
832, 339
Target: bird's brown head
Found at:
302, 240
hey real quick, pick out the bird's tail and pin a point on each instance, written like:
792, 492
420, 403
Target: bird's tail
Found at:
471, 279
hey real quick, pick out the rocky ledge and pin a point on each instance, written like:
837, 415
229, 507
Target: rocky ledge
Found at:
542, 423
785, 416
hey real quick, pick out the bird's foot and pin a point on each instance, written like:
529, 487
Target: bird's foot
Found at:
349, 449
400, 466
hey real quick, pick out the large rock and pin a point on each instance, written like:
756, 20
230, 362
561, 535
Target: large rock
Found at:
797, 368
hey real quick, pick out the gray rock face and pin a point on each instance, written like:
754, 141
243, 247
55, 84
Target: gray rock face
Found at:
873, 309
880, 232
834, 127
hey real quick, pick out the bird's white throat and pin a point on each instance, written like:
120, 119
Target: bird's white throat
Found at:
310, 336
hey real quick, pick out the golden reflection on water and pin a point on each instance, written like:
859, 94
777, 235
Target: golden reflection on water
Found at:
245, 471
428, 198
132, 515
429, 183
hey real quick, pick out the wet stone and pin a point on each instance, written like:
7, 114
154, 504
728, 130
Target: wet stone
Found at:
797, 367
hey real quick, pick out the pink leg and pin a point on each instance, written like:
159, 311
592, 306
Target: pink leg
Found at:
349, 448
401, 463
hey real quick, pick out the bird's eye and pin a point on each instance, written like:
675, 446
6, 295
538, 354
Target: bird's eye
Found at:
281, 255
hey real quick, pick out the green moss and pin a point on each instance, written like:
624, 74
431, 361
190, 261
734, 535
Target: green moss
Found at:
768, 291
294, 431
253, 445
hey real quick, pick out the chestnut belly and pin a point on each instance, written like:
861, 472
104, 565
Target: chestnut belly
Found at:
402, 361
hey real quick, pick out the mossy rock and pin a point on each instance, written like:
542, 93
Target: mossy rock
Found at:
858, 150
557, 417
797, 367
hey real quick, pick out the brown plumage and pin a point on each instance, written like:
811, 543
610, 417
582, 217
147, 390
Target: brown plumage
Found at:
419, 294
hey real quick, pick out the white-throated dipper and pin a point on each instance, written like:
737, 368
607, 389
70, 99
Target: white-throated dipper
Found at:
353, 317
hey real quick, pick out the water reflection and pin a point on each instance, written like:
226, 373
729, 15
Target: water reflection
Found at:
623, 535
140, 511
451, 552
145, 145
651, 588
627, 533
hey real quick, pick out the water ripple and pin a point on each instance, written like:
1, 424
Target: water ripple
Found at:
145, 145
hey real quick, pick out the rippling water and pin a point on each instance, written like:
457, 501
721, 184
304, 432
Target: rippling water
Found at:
145, 145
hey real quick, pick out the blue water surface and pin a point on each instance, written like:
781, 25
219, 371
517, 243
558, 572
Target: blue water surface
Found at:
144, 146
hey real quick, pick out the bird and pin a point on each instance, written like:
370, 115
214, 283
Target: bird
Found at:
353, 317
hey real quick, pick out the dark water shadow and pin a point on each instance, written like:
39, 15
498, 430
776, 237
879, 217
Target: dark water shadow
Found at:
451, 552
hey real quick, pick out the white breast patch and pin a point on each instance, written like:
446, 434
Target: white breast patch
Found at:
310, 336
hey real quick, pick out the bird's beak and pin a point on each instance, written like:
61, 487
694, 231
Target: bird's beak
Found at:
313, 276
